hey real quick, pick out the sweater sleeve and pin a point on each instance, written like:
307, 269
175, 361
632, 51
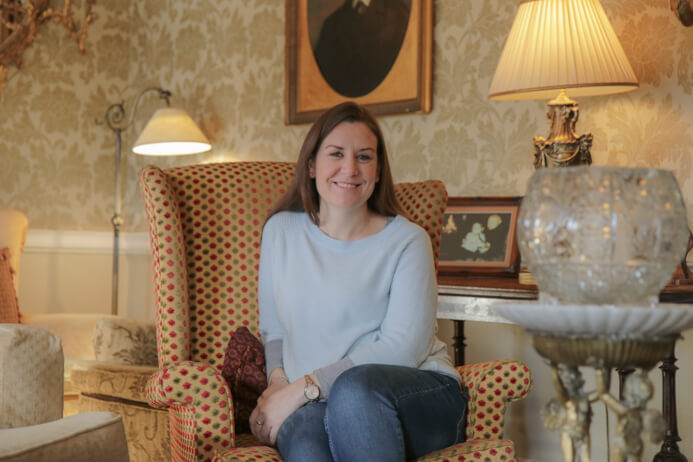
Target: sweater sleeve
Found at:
270, 328
407, 333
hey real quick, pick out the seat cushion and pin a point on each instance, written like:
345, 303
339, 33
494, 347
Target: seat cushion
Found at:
490, 450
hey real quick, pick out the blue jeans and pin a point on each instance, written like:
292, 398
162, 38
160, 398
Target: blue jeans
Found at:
377, 413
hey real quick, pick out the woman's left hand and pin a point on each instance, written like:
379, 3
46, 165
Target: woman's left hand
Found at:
273, 407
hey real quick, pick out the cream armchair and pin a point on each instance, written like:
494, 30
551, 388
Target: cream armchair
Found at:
75, 330
31, 406
107, 360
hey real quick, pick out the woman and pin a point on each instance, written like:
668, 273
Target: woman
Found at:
347, 297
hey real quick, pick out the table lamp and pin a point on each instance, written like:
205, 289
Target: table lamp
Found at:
556, 47
169, 132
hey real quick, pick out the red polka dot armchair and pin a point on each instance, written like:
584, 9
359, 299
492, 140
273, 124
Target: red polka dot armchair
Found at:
205, 224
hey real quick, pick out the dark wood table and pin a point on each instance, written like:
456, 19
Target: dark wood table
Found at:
478, 293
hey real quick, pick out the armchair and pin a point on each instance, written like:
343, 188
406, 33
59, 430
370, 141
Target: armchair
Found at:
205, 225
31, 406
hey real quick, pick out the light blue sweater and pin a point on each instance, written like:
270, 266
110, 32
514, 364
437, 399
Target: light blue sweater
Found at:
326, 305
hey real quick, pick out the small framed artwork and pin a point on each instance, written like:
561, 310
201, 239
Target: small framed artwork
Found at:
479, 236
378, 53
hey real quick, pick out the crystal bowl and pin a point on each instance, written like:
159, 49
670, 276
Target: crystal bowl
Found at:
602, 235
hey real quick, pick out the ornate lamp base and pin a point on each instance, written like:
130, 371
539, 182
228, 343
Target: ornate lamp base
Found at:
562, 148
571, 413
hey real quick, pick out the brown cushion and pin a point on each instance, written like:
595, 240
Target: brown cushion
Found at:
9, 308
245, 372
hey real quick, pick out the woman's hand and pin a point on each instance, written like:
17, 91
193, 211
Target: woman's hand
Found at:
275, 404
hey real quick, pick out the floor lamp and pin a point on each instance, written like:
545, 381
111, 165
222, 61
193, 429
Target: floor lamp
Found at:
169, 132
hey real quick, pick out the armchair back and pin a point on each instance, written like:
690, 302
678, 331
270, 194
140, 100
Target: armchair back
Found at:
13, 228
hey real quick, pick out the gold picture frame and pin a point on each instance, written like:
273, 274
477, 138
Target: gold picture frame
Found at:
479, 236
406, 87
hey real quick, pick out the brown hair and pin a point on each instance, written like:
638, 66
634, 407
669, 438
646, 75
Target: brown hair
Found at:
302, 195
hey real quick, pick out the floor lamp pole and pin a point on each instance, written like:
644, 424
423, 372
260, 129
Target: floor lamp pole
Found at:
116, 221
115, 118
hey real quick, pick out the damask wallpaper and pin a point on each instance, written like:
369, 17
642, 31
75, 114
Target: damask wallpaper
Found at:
224, 63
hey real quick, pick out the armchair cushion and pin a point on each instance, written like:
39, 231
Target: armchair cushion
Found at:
9, 307
245, 372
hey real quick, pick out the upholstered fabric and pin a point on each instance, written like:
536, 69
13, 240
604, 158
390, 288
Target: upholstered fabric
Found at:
13, 228
9, 307
205, 226
491, 450
79, 438
205, 223
75, 333
146, 429
126, 341
31, 365
492, 386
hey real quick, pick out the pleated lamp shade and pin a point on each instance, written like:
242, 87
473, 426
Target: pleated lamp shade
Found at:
561, 44
171, 132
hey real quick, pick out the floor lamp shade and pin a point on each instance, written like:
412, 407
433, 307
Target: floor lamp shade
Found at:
171, 132
561, 44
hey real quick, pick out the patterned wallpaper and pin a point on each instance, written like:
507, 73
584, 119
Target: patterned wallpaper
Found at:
224, 63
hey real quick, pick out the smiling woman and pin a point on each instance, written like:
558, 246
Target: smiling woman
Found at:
356, 324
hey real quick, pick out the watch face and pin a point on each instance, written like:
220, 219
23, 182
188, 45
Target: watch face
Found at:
312, 392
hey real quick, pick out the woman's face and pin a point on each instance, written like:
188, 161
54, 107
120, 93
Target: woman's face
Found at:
345, 167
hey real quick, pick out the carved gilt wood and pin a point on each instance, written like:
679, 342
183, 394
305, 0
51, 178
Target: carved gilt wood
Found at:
19, 22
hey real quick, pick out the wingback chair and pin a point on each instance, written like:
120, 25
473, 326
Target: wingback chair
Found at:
205, 226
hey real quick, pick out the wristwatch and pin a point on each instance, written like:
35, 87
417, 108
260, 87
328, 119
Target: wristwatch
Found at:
311, 390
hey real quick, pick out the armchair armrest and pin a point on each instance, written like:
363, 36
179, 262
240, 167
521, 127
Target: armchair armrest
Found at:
78, 438
201, 404
492, 386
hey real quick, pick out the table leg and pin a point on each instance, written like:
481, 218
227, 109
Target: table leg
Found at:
458, 343
670, 450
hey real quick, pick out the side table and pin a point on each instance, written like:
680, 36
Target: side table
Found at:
472, 298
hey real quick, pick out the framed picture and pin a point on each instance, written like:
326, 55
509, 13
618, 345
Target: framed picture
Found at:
479, 236
380, 55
